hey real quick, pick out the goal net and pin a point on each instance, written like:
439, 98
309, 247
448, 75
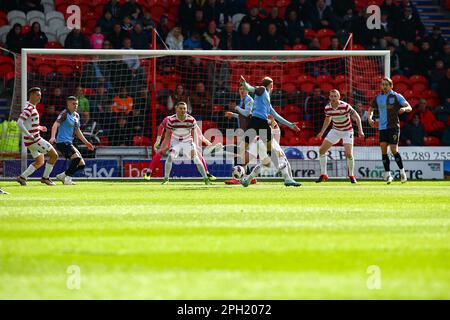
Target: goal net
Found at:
125, 94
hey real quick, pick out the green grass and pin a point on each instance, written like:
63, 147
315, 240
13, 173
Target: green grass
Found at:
187, 241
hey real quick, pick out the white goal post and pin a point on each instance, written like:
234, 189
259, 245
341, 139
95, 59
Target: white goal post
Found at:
383, 61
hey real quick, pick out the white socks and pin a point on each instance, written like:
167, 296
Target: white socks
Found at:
350, 165
29, 171
256, 170
168, 166
323, 164
200, 167
47, 171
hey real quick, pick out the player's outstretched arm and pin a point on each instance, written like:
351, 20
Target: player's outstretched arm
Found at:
371, 121
325, 125
247, 86
355, 116
54, 130
81, 136
283, 121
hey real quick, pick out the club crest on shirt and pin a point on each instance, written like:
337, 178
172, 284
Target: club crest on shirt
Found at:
391, 100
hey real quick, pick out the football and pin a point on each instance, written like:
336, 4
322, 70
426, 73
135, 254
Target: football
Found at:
238, 172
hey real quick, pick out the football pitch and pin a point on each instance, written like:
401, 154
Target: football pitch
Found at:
137, 240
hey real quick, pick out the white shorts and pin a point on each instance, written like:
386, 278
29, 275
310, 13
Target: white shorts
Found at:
182, 147
40, 147
335, 135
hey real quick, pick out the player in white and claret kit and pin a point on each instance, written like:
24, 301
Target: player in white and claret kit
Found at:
340, 113
28, 122
183, 130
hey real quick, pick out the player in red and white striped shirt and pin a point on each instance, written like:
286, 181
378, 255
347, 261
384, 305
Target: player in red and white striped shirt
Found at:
340, 113
183, 129
28, 122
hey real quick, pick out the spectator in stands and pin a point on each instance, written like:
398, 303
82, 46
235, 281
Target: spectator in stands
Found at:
56, 100
391, 10
387, 33
408, 26
76, 40
395, 60
340, 7
246, 40
255, 23
35, 38
31, 5
211, 39
408, 60
83, 106
444, 88
193, 72
322, 16
408, 4
115, 8
163, 28
211, 12
272, 40
175, 39
201, 103
177, 96
427, 118
148, 24
133, 64
314, 44
194, 42
199, 24
107, 22
122, 103
437, 73
100, 105
303, 9
139, 38
426, 59
132, 9
313, 109
127, 24
117, 36
414, 133
96, 39
444, 55
294, 28
14, 39
276, 20
121, 133
335, 45
228, 38
186, 16
436, 40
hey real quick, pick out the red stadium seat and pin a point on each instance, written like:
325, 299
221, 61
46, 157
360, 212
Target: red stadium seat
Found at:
295, 141
433, 102
5, 69
324, 78
359, 141
310, 34
372, 141
325, 33
65, 70
141, 141
358, 47
401, 87
340, 79
53, 45
419, 87
289, 87
409, 94
326, 87
417, 78
432, 141
314, 141
300, 46
430, 94
400, 78
413, 101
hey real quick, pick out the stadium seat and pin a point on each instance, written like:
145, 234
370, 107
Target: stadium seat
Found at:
5, 69
61, 35
141, 141
358, 47
53, 45
16, 16
45, 69
417, 78
372, 141
35, 15
55, 18
409, 94
432, 141
324, 78
430, 94
433, 102
310, 34
236, 19
4, 32
295, 141
289, 87
322, 33
65, 70
419, 87
400, 78
413, 101
25, 29
359, 141
314, 141
300, 46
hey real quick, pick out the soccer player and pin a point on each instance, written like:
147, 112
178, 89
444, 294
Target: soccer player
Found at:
183, 135
340, 114
281, 160
244, 112
262, 108
68, 123
29, 124
161, 149
389, 104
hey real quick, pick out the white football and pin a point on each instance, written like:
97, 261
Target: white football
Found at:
238, 172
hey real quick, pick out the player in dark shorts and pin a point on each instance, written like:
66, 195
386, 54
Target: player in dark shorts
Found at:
388, 105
